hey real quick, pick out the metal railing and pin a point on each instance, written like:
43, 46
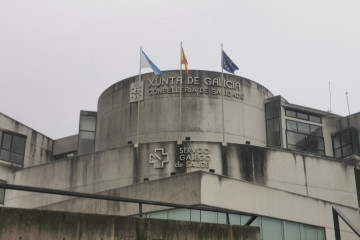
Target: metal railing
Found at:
140, 202
336, 214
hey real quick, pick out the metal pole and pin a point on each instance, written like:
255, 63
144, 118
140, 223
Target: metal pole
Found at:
347, 99
138, 103
222, 95
180, 100
330, 97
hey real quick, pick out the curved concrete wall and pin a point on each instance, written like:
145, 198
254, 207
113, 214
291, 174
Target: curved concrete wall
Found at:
244, 112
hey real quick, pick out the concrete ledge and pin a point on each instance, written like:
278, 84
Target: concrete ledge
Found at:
36, 224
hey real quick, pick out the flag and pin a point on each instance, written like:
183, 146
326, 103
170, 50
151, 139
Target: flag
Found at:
184, 61
146, 62
228, 64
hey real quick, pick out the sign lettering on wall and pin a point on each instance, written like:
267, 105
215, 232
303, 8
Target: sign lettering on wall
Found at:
193, 157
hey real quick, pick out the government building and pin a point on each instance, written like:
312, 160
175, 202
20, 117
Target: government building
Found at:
231, 146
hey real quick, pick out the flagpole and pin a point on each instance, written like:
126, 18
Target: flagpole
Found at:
138, 103
180, 102
222, 98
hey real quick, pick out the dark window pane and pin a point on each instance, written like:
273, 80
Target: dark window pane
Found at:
273, 132
2, 193
290, 113
303, 128
347, 150
345, 138
291, 125
1, 134
315, 130
315, 118
296, 139
336, 141
4, 154
314, 144
302, 116
18, 144
338, 153
87, 123
272, 110
357, 181
6, 141
17, 158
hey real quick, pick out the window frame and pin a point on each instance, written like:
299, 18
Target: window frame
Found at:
11, 150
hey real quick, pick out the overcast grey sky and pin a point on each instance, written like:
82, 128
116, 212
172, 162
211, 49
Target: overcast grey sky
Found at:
57, 57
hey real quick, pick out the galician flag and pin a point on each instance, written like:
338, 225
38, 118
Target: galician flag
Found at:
146, 62
184, 61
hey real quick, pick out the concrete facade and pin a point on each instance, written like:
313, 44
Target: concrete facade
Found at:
274, 159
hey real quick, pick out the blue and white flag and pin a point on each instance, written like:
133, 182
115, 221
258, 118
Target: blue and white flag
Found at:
228, 64
146, 62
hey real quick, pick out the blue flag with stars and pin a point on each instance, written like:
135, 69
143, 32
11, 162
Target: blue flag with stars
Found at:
228, 64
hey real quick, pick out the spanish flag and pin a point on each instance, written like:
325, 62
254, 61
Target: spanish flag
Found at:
184, 61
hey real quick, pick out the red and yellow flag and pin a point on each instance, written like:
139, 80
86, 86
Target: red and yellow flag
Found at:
184, 61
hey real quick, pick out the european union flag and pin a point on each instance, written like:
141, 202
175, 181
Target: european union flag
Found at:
228, 64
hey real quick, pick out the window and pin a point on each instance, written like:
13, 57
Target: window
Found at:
302, 116
272, 123
2, 193
357, 182
270, 228
12, 147
87, 130
345, 143
304, 137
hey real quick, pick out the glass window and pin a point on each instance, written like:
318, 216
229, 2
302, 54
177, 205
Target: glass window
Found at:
357, 182
87, 123
313, 118
310, 233
271, 229
158, 215
315, 130
320, 234
291, 125
195, 215
290, 113
292, 231
5, 154
18, 144
303, 127
272, 110
86, 142
209, 217
304, 137
12, 147
273, 132
222, 218
345, 143
303, 116
234, 219
87, 130
6, 143
296, 139
179, 214
2, 193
